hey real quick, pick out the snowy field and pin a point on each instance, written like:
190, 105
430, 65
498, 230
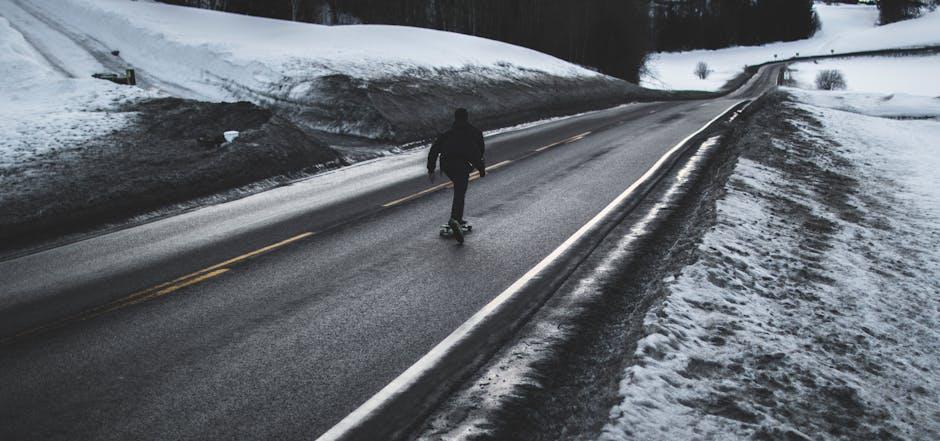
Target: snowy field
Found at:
896, 87
845, 28
812, 312
909, 75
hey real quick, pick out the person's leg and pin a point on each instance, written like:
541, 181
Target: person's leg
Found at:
461, 181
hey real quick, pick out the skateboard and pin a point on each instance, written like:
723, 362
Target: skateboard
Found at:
447, 231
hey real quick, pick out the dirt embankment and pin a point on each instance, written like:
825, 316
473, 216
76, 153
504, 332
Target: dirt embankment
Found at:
174, 153
420, 108
419, 104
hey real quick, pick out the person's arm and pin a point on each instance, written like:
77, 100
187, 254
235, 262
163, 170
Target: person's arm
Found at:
481, 165
434, 153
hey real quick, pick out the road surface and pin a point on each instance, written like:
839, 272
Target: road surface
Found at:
274, 316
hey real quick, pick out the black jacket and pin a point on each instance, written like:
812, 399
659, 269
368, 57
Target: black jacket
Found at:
461, 149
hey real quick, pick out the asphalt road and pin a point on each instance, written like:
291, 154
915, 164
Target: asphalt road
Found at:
274, 316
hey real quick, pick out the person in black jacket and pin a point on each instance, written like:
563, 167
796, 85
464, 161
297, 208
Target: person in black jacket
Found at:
461, 150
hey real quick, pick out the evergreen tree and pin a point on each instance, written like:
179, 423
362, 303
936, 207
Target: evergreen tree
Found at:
890, 11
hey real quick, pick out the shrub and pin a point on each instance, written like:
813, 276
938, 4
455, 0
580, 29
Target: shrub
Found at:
701, 70
830, 80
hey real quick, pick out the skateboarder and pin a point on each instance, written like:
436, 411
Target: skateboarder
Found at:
461, 150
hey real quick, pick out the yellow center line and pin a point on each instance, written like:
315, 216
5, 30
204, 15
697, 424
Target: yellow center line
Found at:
150, 295
229, 262
189, 282
155, 291
418, 194
577, 137
548, 146
158, 293
254, 253
564, 141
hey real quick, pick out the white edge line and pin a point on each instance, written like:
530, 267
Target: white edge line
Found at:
436, 354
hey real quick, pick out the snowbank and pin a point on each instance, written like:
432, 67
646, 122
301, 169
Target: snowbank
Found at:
845, 28
367, 80
811, 312
42, 110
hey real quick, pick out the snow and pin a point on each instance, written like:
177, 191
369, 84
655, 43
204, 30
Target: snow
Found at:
912, 75
203, 54
42, 109
845, 28
892, 105
811, 312
67, 56
898, 87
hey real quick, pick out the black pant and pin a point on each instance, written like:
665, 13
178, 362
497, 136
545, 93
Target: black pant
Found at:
461, 181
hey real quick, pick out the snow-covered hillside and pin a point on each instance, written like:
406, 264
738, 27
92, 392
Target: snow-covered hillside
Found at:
43, 109
328, 76
845, 28
886, 86
200, 48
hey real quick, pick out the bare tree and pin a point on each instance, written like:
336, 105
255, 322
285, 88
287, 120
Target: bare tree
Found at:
830, 80
295, 9
702, 70
334, 11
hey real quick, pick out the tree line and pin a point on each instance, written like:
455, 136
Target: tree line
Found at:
890, 11
607, 35
611, 36
715, 24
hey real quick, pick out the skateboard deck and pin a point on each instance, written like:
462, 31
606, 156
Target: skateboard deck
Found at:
447, 231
